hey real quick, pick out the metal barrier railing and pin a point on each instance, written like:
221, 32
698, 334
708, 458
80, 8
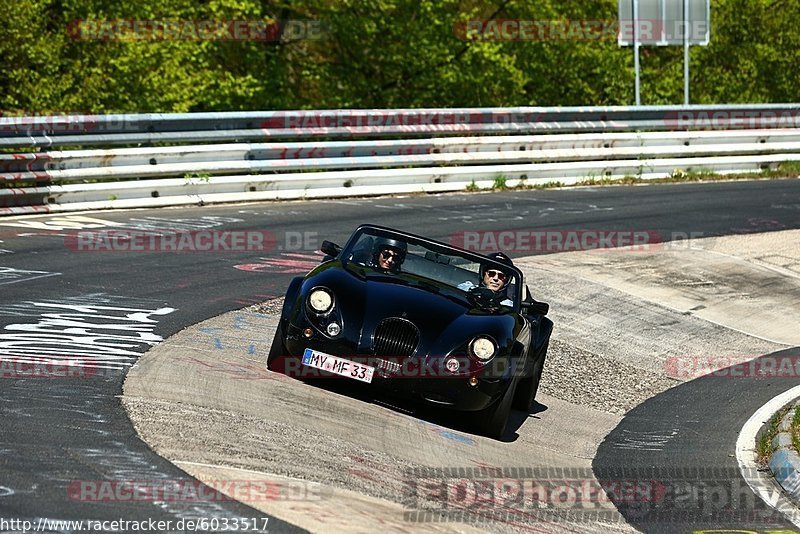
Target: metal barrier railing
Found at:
608, 142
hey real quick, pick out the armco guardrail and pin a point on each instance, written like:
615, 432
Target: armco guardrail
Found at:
306, 155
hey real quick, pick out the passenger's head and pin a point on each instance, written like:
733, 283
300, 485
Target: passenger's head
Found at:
389, 254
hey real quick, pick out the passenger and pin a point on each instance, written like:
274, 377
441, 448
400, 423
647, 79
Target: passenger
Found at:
389, 254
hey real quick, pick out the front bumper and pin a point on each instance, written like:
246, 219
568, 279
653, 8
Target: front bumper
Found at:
417, 379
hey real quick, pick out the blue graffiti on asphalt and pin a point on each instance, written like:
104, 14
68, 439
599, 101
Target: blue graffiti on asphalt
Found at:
449, 434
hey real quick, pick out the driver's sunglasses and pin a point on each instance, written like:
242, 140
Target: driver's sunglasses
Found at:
492, 273
390, 255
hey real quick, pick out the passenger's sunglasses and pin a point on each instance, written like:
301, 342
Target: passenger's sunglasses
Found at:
492, 273
389, 255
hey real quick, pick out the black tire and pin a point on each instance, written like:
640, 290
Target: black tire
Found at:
495, 417
529, 386
277, 352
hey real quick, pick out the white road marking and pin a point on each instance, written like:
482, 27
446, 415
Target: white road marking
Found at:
10, 275
93, 331
654, 440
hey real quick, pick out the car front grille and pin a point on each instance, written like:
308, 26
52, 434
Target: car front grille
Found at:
395, 337
387, 368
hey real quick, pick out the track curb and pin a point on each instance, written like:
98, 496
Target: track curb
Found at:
784, 463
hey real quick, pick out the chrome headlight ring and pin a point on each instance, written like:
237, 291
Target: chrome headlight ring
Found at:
320, 300
483, 348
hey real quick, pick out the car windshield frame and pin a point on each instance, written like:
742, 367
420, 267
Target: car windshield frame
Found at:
436, 247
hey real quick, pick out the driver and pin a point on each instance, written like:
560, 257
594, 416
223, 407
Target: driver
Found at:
389, 254
493, 278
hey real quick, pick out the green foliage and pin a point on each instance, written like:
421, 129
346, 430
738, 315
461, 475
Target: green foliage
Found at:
689, 175
500, 183
547, 185
201, 176
627, 180
764, 443
795, 429
789, 168
378, 53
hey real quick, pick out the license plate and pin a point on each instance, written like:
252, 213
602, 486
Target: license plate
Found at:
338, 366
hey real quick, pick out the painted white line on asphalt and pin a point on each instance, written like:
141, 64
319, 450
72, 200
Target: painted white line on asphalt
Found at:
10, 275
764, 485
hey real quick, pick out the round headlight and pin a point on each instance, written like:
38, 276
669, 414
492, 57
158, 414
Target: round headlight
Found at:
482, 348
320, 300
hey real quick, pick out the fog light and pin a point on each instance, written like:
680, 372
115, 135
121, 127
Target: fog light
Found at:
308, 332
334, 329
452, 365
473, 381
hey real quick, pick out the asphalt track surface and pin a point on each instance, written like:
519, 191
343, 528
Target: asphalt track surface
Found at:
682, 443
59, 431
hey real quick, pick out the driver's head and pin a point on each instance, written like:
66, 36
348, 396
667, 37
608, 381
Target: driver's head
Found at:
389, 253
493, 277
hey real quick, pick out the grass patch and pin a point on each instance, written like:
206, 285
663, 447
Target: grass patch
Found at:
689, 175
764, 444
626, 180
796, 429
786, 169
202, 176
547, 185
473, 187
500, 183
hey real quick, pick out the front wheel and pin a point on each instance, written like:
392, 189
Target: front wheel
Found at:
277, 351
495, 417
529, 386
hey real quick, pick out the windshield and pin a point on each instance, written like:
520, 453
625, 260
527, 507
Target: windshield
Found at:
398, 254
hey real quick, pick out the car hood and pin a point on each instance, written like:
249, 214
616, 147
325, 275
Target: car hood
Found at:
444, 319
419, 305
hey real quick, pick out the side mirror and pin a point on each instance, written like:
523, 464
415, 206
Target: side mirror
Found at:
534, 307
330, 249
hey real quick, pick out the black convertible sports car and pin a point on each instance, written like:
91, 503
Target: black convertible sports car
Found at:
413, 316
